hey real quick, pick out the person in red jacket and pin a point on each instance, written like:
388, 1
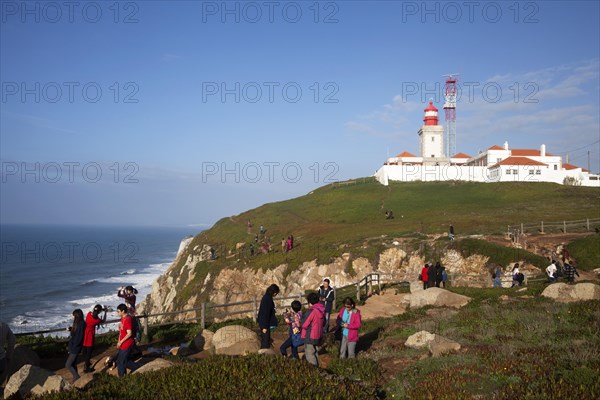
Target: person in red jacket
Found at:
92, 320
424, 275
312, 328
349, 321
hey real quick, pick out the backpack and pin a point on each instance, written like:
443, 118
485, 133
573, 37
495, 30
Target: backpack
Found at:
137, 329
520, 277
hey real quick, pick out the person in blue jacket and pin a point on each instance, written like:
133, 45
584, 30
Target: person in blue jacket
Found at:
75, 342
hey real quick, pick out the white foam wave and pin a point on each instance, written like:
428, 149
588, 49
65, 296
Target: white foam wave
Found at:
57, 316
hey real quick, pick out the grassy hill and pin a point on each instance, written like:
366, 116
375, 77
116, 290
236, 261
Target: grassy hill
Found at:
349, 213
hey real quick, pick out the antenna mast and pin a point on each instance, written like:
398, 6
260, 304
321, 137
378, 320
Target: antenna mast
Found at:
450, 109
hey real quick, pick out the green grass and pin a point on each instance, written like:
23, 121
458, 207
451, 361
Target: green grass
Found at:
587, 252
335, 219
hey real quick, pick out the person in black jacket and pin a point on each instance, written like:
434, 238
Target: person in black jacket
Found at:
266, 316
326, 298
438, 274
431, 275
75, 342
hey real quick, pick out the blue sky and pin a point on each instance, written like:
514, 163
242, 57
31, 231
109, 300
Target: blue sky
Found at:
129, 114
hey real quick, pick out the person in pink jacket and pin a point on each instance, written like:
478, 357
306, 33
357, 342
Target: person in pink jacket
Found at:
312, 328
349, 321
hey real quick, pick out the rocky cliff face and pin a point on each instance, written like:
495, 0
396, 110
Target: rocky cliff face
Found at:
191, 279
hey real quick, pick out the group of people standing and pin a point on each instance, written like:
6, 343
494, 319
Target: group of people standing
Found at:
433, 275
308, 328
82, 334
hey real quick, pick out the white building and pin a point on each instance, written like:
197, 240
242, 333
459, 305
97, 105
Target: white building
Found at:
496, 164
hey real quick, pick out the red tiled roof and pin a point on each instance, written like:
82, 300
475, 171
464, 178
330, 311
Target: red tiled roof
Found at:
527, 153
405, 154
494, 147
517, 161
568, 166
460, 155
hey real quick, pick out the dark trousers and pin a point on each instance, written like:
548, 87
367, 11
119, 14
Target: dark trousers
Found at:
265, 339
424, 285
123, 362
284, 347
87, 356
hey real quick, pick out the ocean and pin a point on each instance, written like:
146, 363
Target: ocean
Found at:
48, 271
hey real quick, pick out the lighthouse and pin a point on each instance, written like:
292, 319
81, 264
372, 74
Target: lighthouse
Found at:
431, 136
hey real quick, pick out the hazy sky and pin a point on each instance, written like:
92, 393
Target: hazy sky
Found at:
180, 113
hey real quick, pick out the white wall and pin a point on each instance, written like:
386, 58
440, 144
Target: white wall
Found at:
431, 173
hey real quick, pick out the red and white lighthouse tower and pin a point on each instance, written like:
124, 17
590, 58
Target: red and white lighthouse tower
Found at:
431, 136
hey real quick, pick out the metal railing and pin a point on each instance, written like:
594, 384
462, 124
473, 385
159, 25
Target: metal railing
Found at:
364, 285
558, 226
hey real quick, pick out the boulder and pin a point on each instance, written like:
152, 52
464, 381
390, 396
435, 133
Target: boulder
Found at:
22, 355
235, 340
35, 380
269, 352
416, 286
203, 340
440, 346
419, 339
437, 345
437, 297
154, 365
565, 293
85, 380
181, 351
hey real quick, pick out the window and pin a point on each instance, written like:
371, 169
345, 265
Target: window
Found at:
515, 172
508, 172
531, 172
432, 139
538, 172
433, 156
498, 159
555, 167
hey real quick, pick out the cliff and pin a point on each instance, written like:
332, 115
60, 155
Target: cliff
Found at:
341, 232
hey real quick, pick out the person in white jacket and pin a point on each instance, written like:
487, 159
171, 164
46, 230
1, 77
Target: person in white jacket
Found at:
551, 271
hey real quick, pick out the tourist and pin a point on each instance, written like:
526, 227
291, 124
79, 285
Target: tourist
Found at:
125, 342
438, 274
283, 245
7, 346
570, 271
262, 229
293, 318
312, 328
326, 298
349, 321
444, 277
451, 232
267, 318
497, 276
92, 320
551, 271
289, 243
431, 275
515, 275
425, 275
128, 294
75, 342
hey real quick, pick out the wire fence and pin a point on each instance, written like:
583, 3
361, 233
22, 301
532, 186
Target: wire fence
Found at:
580, 225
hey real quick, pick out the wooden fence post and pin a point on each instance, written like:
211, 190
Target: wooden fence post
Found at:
564, 226
146, 333
379, 283
202, 315
358, 291
522, 228
542, 226
587, 224
254, 308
